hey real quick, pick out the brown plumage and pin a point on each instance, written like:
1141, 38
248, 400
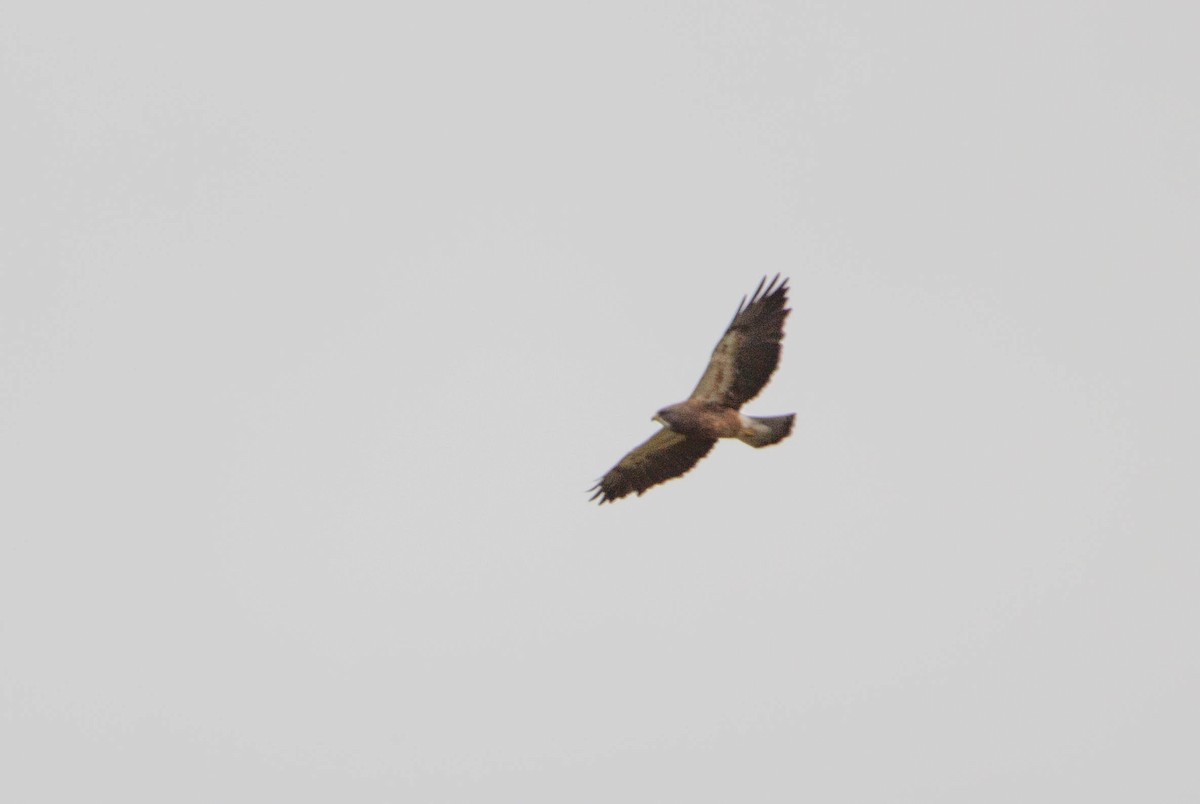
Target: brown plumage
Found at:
741, 364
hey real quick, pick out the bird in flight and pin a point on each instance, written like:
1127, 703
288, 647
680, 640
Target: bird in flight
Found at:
742, 363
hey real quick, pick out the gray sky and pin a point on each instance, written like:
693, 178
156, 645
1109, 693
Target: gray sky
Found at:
316, 325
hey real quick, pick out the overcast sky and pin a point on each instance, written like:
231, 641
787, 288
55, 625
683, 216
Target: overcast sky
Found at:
317, 323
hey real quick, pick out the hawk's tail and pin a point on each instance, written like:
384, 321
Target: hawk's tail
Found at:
763, 431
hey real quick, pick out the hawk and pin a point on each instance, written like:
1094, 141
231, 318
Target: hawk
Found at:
741, 364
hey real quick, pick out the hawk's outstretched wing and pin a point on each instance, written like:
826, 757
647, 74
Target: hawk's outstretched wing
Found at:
748, 353
665, 455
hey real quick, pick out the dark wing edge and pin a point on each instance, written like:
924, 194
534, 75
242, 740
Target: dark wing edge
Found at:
747, 354
663, 456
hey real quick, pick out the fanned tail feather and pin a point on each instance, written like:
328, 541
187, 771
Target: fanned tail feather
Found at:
767, 430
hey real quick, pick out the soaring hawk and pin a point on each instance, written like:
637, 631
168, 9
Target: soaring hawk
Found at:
741, 365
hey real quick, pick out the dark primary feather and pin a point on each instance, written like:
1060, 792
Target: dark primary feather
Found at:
748, 352
664, 455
